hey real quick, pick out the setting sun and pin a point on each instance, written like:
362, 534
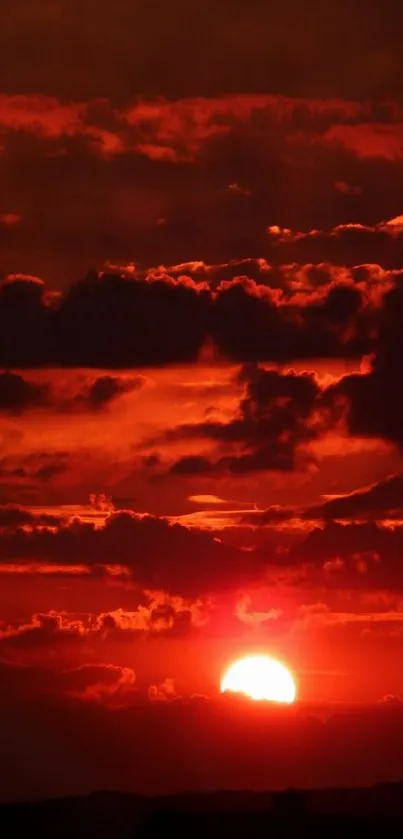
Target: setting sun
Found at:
260, 677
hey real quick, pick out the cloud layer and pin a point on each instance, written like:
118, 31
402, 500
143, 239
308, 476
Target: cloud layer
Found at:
117, 320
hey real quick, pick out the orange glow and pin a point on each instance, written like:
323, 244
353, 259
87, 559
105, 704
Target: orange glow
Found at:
260, 677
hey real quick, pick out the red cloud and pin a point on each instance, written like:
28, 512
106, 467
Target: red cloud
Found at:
369, 139
108, 684
163, 692
176, 130
105, 683
45, 629
158, 614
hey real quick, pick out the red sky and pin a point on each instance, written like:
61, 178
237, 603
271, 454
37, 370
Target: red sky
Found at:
201, 413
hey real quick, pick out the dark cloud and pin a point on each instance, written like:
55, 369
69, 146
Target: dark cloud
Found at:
17, 394
121, 323
129, 319
24, 319
34, 466
13, 516
274, 419
99, 682
354, 555
158, 554
117, 321
379, 501
374, 401
272, 515
107, 388
192, 464
45, 630
350, 543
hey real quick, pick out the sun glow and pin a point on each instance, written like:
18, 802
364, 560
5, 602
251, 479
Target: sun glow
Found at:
260, 677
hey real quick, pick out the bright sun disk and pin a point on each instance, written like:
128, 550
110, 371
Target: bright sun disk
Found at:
260, 677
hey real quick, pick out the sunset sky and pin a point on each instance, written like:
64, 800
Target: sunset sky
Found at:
201, 392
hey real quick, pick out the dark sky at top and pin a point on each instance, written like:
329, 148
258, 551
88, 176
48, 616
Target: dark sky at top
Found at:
85, 48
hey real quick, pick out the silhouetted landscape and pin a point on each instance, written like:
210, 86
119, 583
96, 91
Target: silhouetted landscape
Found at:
327, 812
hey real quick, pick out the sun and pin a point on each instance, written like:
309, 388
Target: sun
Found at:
260, 677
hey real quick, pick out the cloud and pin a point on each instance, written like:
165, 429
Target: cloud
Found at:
100, 682
246, 615
379, 502
129, 319
352, 244
107, 388
11, 515
192, 464
95, 310
18, 394
157, 614
158, 555
108, 684
45, 630
207, 499
369, 139
392, 701
175, 130
275, 514
35, 466
182, 154
274, 419
172, 130
373, 401
318, 615
353, 555
100, 393
164, 692
382, 500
